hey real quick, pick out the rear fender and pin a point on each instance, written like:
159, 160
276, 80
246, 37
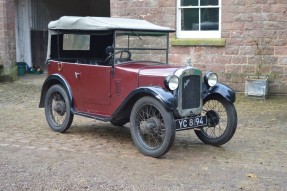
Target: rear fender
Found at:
52, 80
220, 89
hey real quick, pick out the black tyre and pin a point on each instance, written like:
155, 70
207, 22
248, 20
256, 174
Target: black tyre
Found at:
58, 109
222, 121
152, 127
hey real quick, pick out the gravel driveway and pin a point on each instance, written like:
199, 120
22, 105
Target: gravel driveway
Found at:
98, 156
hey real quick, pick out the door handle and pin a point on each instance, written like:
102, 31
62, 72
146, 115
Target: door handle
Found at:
60, 66
77, 74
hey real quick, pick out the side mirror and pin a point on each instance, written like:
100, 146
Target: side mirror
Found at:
109, 50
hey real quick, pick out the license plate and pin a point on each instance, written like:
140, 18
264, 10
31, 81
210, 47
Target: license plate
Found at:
189, 123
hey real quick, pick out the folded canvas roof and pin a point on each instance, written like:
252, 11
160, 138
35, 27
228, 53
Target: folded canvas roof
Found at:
104, 24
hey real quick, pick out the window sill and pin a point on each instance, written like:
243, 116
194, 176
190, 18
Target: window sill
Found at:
198, 42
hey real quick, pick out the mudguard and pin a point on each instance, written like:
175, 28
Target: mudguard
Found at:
165, 97
221, 89
51, 80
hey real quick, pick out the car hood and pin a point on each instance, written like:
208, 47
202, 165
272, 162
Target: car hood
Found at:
149, 68
158, 70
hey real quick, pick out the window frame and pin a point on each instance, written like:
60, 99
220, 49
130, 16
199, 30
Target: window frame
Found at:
196, 34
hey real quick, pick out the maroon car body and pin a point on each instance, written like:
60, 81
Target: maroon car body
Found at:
85, 84
116, 70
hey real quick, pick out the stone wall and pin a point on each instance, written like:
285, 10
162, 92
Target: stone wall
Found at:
244, 22
7, 37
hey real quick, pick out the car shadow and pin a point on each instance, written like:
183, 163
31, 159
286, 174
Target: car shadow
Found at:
119, 138
100, 130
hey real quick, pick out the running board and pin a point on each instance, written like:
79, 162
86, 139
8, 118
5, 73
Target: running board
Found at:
97, 117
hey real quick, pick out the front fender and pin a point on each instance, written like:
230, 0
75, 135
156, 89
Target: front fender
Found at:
52, 80
162, 95
221, 89
165, 97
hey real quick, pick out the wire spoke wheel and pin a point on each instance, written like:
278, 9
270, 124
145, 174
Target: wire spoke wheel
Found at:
152, 127
58, 109
221, 119
217, 126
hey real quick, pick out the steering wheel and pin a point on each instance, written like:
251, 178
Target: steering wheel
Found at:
108, 60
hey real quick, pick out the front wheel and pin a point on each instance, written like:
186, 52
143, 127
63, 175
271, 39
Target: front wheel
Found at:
57, 109
152, 127
222, 121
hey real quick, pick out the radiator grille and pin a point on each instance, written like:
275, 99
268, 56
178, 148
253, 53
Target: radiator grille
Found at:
191, 92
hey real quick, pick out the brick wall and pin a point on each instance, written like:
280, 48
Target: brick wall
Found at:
7, 34
243, 22
264, 21
158, 11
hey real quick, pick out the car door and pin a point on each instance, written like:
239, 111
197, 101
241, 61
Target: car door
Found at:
68, 71
94, 88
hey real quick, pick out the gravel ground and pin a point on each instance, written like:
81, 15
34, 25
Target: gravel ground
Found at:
98, 156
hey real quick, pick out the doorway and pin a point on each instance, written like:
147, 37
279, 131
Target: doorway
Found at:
33, 16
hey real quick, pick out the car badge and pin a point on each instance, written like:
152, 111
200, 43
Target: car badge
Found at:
186, 83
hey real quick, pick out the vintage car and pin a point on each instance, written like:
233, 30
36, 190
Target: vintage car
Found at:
116, 70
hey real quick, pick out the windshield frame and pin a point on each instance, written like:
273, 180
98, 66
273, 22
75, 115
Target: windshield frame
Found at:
139, 34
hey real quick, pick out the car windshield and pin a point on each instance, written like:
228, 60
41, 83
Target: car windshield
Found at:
143, 46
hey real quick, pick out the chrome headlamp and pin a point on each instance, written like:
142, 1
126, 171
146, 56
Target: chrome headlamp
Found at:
172, 82
210, 79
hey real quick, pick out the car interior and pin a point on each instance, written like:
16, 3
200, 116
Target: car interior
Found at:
94, 51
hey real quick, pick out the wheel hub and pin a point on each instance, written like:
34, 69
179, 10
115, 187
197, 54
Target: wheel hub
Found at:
60, 108
212, 118
153, 125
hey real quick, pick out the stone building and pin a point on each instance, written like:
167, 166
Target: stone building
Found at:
218, 35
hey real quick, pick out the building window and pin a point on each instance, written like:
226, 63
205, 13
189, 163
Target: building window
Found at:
198, 19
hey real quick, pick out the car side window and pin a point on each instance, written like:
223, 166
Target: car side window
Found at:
76, 42
81, 48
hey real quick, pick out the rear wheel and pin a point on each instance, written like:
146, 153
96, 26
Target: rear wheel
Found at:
58, 109
222, 121
152, 127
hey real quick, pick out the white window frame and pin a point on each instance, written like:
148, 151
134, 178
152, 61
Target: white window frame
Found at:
196, 34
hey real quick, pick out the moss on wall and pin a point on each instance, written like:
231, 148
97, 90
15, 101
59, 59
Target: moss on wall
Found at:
8, 74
